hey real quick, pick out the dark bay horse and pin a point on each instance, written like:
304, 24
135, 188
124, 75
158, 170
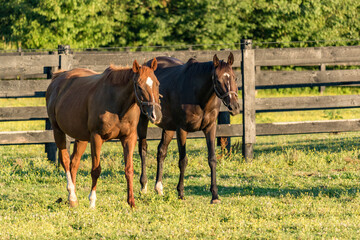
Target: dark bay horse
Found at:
192, 95
94, 107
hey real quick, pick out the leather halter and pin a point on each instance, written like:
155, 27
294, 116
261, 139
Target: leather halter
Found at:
223, 96
143, 103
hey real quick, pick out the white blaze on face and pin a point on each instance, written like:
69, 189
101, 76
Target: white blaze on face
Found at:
226, 75
149, 82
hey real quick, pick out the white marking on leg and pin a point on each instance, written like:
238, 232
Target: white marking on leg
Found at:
159, 188
144, 189
71, 188
92, 198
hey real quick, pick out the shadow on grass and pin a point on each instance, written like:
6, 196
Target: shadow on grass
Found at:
329, 145
272, 192
105, 173
334, 144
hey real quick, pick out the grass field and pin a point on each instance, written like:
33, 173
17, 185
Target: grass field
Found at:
296, 187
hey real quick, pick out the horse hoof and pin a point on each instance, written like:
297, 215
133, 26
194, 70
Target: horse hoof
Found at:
144, 190
181, 197
215, 201
159, 188
73, 203
132, 204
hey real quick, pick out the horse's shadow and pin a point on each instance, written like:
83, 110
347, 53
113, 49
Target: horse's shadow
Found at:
317, 191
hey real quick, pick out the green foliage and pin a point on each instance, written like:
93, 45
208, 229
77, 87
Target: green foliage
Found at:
214, 23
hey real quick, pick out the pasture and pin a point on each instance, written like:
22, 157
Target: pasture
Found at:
300, 186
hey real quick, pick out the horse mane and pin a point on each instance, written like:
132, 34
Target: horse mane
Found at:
117, 75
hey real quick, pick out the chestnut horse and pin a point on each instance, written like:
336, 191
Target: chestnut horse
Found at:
192, 95
94, 107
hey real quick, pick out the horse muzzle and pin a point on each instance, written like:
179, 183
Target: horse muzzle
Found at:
154, 114
234, 108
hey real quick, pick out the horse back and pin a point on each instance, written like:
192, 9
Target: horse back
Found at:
67, 96
165, 62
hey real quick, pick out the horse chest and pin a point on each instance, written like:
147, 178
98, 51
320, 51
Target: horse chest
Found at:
196, 119
110, 126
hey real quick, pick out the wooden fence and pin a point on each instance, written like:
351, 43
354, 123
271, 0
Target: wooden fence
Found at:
249, 67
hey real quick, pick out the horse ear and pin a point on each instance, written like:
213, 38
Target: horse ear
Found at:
136, 66
230, 60
216, 61
154, 64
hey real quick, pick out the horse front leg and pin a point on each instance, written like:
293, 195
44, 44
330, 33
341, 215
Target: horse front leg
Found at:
142, 132
183, 160
210, 134
96, 143
128, 144
60, 140
166, 138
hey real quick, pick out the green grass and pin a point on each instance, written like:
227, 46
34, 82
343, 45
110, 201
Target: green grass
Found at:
304, 186
296, 187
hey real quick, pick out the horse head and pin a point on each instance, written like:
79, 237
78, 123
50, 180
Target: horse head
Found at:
225, 86
146, 87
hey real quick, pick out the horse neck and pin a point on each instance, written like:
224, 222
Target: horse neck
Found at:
203, 82
125, 95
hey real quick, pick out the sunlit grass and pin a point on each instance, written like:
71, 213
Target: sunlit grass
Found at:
296, 187
304, 186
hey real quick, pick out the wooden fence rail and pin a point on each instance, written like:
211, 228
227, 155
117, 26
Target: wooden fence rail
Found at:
252, 67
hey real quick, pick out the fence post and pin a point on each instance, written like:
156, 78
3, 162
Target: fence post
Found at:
65, 56
50, 148
224, 142
248, 96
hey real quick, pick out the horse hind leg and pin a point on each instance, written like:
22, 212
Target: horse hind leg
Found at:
183, 160
60, 140
96, 143
161, 155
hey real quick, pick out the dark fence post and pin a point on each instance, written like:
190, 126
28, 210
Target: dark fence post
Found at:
50, 148
224, 142
65, 56
248, 96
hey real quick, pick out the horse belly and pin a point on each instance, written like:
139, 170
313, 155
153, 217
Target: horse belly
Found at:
72, 119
